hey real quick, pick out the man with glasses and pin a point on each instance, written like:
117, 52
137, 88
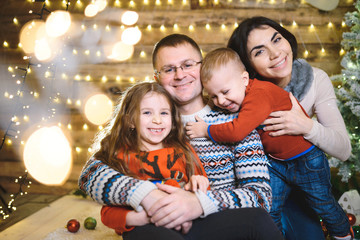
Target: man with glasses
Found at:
237, 172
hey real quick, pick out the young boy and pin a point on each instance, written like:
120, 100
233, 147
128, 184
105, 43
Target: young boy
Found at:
225, 79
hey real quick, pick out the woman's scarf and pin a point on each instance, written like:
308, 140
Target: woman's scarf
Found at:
302, 77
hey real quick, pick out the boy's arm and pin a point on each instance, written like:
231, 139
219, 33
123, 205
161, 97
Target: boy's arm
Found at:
255, 108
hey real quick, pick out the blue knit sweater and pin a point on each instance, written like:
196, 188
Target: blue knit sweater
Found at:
237, 172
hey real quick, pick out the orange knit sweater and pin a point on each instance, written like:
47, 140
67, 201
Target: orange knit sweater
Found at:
159, 165
261, 99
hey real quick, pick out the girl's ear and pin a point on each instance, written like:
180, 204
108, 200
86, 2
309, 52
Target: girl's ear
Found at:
156, 78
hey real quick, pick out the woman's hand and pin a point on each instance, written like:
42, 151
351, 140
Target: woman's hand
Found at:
292, 122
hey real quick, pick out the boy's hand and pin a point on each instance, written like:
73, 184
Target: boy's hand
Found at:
185, 227
197, 129
197, 182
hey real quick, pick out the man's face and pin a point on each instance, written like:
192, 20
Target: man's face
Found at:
184, 87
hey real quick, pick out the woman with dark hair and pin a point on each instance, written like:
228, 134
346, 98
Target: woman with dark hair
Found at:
269, 52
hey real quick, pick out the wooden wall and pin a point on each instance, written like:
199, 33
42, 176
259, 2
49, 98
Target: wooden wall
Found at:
220, 15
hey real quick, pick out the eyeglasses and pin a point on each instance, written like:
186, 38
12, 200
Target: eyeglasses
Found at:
169, 71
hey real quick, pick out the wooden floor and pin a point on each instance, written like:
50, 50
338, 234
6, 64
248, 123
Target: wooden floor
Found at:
25, 206
48, 216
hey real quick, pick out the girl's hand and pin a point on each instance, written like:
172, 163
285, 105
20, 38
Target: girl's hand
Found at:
197, 182
134, 218
197, 129
292, 122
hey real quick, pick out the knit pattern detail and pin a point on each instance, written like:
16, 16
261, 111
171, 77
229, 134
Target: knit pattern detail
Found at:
237, 172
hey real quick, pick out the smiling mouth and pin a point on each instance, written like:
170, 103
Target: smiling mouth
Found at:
156, 130
182, 85
279, 64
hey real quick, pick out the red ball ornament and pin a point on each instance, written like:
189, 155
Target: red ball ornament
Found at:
352, 218
73, 225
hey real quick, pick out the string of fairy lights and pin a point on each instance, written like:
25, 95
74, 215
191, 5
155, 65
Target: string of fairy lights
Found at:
13, 134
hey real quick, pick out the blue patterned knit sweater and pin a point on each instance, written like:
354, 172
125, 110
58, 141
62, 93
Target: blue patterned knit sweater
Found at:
238, 173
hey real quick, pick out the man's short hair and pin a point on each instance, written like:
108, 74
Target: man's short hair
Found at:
173, 40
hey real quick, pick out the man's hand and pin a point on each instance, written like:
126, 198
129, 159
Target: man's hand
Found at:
197, 129
292, 122
175, 209
197, 182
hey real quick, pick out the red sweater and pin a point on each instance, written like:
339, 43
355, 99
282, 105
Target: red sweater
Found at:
159, 165
261, 99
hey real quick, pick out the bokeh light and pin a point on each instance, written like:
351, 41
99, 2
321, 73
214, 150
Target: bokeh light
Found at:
58, 23
47, 156
98, 109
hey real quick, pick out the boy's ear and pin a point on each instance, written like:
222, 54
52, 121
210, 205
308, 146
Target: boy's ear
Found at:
245, 77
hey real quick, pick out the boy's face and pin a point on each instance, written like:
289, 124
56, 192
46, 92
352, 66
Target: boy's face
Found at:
227, 86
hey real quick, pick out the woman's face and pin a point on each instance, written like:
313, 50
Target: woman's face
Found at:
270, 55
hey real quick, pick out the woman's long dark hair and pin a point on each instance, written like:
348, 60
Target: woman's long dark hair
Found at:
239, 38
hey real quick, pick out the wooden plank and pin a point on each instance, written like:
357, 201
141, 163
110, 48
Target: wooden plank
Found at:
50, 222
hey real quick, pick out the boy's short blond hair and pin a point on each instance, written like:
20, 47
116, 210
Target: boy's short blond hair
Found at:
216, 59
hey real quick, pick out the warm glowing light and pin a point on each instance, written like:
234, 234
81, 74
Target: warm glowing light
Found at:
158, 2
15, 21
207, 26
343, 24
42, 50
98, 109
342, 51
223, 26
47, 156
85, 126
184, 2
146, 2
129, 17
330, 24
191, 28
104, 79
29, 35
77, 77
322, 50
312, 27
91, 10
69, 126
176, 27
131, 36
88, 78
121, 51
101, 4
148, 27
236, 25
162, 28
294, 24
118, 78
142, 54
58, 23
117, 3
306, 53
132, 3
132, 80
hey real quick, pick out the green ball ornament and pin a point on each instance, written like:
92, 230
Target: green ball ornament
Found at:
356, 232
90, 223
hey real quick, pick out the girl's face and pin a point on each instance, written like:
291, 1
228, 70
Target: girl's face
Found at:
270, 55
155, 121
